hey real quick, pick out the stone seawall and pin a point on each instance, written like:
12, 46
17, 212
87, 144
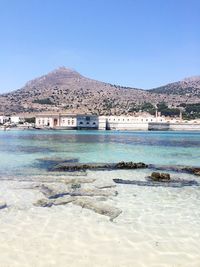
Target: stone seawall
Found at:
184, 127
128, 126
156, 126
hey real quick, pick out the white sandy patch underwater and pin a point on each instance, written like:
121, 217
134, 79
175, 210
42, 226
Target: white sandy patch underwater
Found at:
158, 227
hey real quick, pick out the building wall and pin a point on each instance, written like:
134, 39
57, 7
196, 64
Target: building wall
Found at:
130, 123
87, 122
3, 119
15, 119
42, 121
68, 121
102, 123
184, 127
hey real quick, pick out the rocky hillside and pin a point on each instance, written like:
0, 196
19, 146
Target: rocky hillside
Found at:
188, 87
66, 90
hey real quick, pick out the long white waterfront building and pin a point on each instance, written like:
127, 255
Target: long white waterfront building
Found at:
129, 123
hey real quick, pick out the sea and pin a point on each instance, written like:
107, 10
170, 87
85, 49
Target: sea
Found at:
157, 227
21, 151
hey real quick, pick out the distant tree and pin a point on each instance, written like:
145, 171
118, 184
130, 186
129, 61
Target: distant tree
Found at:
166, 111
30, 120
44, 101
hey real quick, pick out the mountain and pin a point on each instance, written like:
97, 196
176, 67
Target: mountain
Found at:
188, 87
66, 90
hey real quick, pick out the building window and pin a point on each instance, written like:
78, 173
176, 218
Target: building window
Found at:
72, 121
63, 121
39, 121
88, 123
94, 123
68, 122
80, 122
42, 121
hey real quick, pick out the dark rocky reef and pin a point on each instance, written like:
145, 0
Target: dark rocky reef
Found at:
176, 168
99, 166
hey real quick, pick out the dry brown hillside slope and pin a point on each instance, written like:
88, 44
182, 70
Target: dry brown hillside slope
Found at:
66, 90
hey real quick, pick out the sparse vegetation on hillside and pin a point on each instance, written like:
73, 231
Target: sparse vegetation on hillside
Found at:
166, 111
66, 90
191, 111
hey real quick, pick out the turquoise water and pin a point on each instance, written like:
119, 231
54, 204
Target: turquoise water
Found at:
20, 150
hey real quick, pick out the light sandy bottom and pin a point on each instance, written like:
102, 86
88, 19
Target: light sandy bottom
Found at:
158, 227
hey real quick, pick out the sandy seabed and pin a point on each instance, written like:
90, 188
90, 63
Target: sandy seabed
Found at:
158, 227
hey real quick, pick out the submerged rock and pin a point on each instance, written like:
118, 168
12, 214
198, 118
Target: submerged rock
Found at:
78, 180
94, 192
43, 203
3, 204
84, 202
75, 186
176, 168
170, 183
101, 208
63, 200
159, 177
50, 202
52, 192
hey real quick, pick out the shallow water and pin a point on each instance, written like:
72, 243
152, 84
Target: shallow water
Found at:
158, 226
19, 150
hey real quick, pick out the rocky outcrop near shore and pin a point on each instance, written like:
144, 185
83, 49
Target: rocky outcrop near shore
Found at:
159, 179
176, 168
99, 166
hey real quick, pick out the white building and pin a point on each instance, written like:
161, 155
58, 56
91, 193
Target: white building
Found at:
65, 121
121, 123
15, 119
3, 119
131, 123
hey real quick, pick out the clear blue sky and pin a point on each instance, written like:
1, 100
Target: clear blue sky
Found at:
139, 43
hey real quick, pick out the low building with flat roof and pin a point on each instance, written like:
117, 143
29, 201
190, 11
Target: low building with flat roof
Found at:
57, 121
